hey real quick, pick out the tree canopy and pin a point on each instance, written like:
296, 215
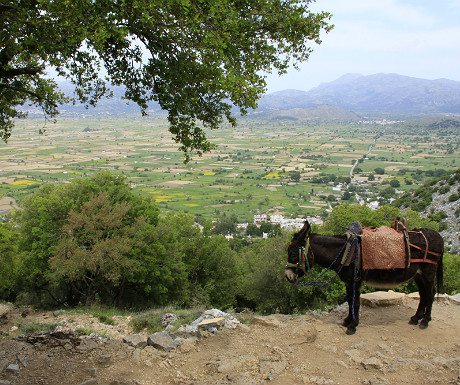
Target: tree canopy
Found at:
195, 58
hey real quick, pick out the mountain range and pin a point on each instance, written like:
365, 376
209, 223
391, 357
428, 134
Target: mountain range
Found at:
379, 94
349, 97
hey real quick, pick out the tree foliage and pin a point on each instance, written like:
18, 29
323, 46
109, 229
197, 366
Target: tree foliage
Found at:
342, 215
195, 58
95, 244
73, 234
93, 240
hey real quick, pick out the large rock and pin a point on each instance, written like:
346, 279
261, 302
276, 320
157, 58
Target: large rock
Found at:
136, 341
211, 323
455, 298
168, 319
161, 341
230, 322
382, 298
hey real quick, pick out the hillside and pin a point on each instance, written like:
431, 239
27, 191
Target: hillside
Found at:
374, 94
387, 95
322, 113
439, 199
278, 349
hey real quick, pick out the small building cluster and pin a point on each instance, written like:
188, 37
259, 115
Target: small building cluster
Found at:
286, 223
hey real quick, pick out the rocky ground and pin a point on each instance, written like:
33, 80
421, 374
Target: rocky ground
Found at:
276, 349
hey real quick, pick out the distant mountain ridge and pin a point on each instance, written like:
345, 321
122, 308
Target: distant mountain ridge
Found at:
379, 93
347, 98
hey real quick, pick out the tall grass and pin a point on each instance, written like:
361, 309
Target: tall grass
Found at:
149, 320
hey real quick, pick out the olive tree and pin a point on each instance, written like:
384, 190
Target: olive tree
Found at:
195, 58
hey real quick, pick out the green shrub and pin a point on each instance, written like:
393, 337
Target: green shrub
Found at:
454, 197
150, 319
451, 269
29, 327
444, 189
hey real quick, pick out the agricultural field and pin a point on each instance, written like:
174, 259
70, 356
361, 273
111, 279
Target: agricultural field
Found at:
272, 167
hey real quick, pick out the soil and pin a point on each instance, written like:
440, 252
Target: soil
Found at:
277, 349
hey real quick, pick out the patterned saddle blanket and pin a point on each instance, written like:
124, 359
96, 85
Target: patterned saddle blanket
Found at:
383, 248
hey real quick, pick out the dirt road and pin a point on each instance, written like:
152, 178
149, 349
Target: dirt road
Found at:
277, 349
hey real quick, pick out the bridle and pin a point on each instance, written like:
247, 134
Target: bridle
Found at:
303, 262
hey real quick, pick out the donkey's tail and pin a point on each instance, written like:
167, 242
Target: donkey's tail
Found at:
439, 274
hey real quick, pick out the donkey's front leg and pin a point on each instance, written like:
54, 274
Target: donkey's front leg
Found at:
352, 320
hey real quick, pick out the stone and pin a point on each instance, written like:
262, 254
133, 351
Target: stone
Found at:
89, 382
446, 363
58, 312
86, 345
3, 365
378, 381
12, 368
187, 345
317, 380
269, 369
103, 358
161, 341
382, 298
372, 363
137, 341
211, 323
455, 298
23, 360
230, 322
167, 319
92, 372
414, 295
265, 321
355, 355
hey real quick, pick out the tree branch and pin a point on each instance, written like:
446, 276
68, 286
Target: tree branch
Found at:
31, 93
5, 7
12, 73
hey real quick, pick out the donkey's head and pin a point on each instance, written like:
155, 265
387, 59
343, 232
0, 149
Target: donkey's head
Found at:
297, 254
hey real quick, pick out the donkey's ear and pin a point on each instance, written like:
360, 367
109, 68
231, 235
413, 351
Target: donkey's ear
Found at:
304, 231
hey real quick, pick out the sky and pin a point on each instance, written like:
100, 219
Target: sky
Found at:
417, 38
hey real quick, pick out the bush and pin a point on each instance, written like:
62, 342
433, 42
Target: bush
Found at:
395, 183
454, 197
444, 189
451, 265
35, 327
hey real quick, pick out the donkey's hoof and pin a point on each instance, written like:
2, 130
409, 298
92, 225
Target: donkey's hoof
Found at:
413, 321
351, 330
423, 325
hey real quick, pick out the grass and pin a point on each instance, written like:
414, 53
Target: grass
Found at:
150, 319
105, 314
86, 331
27, 327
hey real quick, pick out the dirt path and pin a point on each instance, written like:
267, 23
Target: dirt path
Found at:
277, 349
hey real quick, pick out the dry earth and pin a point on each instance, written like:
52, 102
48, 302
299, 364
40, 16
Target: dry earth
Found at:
277, 349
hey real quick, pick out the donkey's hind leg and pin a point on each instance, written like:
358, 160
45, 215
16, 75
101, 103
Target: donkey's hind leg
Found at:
426, 292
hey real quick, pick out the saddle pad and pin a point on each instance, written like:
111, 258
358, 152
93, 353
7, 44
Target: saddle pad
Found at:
383, 248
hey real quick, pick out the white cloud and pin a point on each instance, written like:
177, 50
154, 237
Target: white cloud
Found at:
355, 36
392, 11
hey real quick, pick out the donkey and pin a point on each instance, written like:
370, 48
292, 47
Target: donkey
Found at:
426, 246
